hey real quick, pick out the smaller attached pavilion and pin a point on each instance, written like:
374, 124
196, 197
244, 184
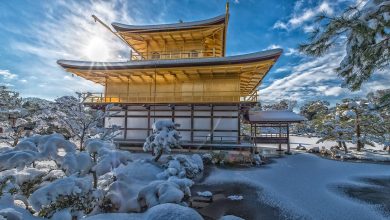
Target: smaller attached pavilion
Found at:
272, 127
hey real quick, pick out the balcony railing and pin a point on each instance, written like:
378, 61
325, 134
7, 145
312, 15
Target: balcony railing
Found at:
168, 55
170, 97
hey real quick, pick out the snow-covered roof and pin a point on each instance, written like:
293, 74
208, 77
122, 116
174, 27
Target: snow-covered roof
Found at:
238, 59
275, 116
166, 27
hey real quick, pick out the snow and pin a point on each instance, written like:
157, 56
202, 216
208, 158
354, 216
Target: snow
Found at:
205, 194
268, 116
11, 214
235, 197
108, 159
76, 163
230, 217
60, 187
62, 215
164, 211
300, 185
164, 137
183, 166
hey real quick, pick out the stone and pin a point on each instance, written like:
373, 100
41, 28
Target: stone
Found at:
314, 150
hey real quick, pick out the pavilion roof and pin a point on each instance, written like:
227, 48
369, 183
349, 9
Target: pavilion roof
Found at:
275, 117
144, 64
249, 68
169, 27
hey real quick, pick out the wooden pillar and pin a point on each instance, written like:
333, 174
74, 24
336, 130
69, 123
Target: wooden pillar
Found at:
212, 123
148, 108
238, 125
192, 123
280, 136
173, 113
125, 130
288, 138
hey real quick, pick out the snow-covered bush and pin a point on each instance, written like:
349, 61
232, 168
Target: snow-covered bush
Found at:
164, 137
73, 193
172, 190
183, 166
83, 122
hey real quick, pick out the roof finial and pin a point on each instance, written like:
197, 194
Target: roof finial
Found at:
227, 7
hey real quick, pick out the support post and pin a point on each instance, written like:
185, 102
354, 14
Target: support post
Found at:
148, 108
238, 125
192, 123
212, 124
125, 129
288, 139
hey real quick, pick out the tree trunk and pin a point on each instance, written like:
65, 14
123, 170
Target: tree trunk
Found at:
345, 147
95, 180
359, 145
158, 155
81, 142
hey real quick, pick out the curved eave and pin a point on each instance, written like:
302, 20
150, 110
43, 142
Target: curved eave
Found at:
169, 27
147, 64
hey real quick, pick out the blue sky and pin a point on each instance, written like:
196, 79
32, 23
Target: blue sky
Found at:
34, 34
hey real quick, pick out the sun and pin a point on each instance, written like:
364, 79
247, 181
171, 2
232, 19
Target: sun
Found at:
97, 50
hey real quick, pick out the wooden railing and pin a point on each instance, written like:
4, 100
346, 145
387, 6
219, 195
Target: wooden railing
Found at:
168, 55
170, 97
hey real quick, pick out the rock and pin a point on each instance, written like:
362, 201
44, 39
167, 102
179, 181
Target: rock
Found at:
218, 197
325, 151
314, 150
335, 148
196, 204
300, 147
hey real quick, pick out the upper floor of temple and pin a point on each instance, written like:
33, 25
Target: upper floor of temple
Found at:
206, 38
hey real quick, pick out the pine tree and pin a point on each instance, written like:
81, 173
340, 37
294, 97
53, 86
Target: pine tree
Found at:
367, 40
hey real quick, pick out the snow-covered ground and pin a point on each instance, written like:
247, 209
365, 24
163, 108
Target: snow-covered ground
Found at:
309, 142
301, 185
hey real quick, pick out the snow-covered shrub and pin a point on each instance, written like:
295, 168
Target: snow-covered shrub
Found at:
82, 121
105, 156
164, 137
74, 193
171, 191
109, 159
73, 163
183, 166
17, 159
10, 214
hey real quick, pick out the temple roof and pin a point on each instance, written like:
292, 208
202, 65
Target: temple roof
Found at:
169, 27
275, 116
250, 68
143, 64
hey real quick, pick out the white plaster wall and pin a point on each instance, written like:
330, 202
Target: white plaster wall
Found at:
110, 121
225, 123
185, 135
137, 122
185, 123
137, 113
202, 123
220, 113
137, 134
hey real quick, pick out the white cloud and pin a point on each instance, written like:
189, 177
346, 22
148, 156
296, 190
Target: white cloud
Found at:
273, 46
315, 78
71, 34
300, 17
7, 75
282, 69
291, 52
308, 28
